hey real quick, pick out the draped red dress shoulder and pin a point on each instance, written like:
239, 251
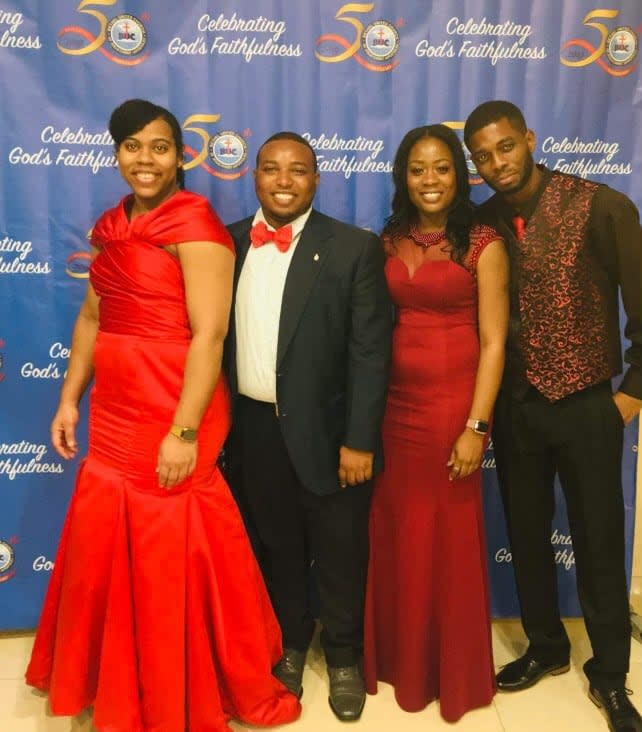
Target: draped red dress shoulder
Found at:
156, 614
427, 624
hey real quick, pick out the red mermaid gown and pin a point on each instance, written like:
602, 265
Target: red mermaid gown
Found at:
427, 624
156, 613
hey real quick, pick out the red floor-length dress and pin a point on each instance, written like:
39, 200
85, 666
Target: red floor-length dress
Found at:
156, 613
427, 627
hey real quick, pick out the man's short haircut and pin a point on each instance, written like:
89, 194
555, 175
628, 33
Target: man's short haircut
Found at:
488, 112
295, 137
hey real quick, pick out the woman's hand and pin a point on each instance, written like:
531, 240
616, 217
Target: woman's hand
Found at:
466, 455
176, 460
63, 430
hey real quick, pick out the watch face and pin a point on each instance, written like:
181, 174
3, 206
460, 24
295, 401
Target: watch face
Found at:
184, 433
478, 426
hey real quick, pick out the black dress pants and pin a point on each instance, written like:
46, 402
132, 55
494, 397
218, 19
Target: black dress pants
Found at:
296, 526
580, 439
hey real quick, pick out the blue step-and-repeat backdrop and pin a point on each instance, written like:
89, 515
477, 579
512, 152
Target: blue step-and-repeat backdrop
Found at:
352, 78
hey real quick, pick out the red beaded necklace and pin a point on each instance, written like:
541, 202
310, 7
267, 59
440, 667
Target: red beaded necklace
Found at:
426, 240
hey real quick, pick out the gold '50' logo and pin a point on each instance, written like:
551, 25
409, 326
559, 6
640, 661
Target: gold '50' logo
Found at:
226, 150
125, 33
379, 40
619, 44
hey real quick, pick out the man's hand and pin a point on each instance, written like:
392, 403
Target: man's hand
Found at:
628, 406
355, 466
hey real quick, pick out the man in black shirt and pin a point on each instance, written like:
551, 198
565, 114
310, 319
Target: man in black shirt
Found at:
573, 246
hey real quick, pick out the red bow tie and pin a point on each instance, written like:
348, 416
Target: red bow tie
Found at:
519, 225
260, 234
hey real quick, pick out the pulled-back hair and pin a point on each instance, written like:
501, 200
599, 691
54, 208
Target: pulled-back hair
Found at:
134, 114
286, 135
404, 212
488, 112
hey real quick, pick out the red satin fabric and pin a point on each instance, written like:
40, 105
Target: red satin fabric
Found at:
427, 624
156, 613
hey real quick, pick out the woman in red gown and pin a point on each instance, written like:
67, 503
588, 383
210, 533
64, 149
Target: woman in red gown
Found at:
427, 628
156, 614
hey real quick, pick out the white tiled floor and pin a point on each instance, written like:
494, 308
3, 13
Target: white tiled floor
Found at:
556, 704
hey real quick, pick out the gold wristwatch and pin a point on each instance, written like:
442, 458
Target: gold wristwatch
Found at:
187, 434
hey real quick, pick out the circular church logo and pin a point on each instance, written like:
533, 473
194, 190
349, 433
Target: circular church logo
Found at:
7, 558
227, 149
380, 40
126, 34
622, 45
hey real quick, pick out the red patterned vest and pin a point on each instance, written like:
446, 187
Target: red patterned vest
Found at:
563, 329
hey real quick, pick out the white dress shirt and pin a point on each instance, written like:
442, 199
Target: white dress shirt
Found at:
258, 311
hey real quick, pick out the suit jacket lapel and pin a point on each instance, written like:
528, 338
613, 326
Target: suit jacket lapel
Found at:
242, 248
307, 262
242, 242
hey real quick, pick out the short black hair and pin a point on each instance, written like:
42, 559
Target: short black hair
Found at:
492, 111
286, 135
134, 114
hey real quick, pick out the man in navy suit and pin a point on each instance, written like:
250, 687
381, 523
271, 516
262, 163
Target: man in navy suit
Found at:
307, 358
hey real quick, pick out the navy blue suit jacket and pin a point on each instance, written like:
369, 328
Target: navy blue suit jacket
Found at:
333, 352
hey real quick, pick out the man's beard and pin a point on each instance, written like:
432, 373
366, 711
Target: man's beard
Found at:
524, 178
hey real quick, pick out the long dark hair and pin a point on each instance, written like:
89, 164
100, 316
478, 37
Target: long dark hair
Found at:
134, 114
404, 212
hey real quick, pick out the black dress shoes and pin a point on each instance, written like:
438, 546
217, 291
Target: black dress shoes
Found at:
347, 692
526, 672
289, 670
620, 714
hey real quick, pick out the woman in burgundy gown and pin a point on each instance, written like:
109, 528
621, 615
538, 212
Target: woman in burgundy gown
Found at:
427, 628
156, 614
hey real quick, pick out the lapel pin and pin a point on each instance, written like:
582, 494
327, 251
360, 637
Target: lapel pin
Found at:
316, 257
